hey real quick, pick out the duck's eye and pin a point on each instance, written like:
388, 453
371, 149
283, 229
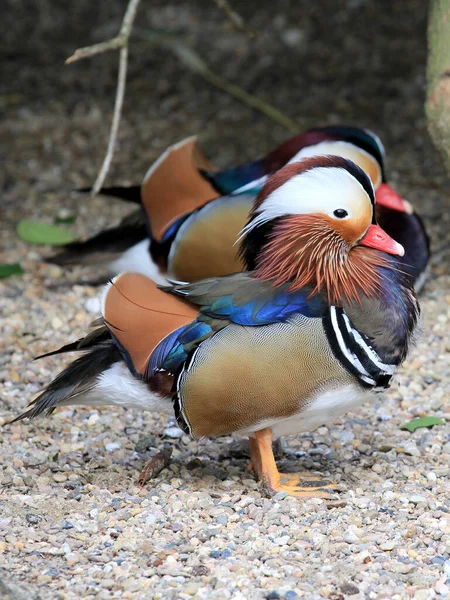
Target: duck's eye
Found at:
340, 213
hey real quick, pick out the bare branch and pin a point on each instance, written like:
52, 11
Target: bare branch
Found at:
116, 43
235, 18
121, 82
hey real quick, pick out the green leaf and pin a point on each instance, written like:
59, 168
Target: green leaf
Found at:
423, 422
69, 220
34, 232
11, 269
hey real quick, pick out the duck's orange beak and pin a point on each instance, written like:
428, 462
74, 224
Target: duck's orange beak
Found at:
388, 197
377, 238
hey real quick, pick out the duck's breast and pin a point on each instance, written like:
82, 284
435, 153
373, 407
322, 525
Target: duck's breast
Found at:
246, 378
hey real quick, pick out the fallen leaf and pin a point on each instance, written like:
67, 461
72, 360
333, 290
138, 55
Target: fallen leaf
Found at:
11, 269
422, 422
34, 232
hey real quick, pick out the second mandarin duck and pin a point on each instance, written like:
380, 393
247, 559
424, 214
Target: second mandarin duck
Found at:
193, 212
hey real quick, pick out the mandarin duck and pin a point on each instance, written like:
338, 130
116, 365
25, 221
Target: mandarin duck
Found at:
320, 319
194, 213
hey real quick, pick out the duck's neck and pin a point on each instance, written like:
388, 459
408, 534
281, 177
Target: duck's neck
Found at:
310, 254
387, 320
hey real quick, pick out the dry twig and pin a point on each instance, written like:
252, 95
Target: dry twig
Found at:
154, 466
187, 56
236, 20
119, 42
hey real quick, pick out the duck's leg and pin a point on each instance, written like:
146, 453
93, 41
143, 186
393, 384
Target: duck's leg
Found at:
255, 458
277, 448
302, 485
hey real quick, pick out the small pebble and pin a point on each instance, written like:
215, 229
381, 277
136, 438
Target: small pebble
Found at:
350, 537
416, 498
56, 323
283, 540
173, 432
72, 558
145, 443
93, 305
93, 419
222, 519
33, 519
387, 546
442, 589
191, 588
280, 496
349, 589
112, 446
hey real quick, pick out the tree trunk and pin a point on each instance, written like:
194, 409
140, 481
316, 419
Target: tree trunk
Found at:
438, 75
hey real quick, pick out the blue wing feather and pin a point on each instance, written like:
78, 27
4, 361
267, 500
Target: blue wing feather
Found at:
229, 180
160, 353
173, 350
274, 306
188, 337
238, 299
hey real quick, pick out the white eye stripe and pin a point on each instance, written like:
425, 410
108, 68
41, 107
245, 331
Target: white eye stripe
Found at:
321, 189
348, 150
333, 148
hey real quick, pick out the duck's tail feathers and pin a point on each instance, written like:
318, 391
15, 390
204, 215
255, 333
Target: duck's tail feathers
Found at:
106, 246
89, 341
78, 383
98, 377
130, 193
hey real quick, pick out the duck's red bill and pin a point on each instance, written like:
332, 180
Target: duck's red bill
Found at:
377, 238
388, 197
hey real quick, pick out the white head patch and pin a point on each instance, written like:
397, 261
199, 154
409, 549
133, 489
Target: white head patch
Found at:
319, 190
346, 150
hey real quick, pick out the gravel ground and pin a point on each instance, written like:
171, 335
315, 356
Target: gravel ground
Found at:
73, 523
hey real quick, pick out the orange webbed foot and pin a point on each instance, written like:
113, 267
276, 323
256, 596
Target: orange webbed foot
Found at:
300, 485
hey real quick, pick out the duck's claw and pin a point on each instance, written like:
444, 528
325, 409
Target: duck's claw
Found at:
300, 485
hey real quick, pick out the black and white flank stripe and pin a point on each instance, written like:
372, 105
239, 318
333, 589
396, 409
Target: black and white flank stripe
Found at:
355, 353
